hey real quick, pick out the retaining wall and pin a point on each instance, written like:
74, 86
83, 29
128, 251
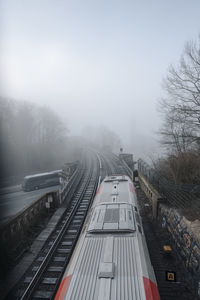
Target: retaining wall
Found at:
12, 231
186, 236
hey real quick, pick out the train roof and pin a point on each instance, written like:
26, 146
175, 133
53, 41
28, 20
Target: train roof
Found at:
115, 217
108, 268
116, 189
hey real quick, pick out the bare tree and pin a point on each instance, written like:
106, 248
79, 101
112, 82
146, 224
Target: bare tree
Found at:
181, 106
181, 111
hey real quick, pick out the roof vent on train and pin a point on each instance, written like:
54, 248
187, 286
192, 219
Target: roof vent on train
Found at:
114, 189
106, 266
112, 217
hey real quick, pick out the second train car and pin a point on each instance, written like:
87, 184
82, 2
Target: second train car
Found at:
111, 259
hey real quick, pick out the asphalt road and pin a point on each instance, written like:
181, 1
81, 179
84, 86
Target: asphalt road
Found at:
13, 199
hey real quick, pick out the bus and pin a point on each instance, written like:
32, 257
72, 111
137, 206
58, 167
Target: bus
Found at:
42, 180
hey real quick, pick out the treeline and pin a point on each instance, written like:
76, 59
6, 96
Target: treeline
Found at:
32, 138
181, 114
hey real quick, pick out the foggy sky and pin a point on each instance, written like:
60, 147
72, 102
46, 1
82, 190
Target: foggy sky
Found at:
95, 62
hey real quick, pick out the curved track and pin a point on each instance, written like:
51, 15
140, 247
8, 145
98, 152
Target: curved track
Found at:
42, 279
111, 165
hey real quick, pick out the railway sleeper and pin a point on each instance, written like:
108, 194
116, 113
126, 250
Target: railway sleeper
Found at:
43, 295
63, 251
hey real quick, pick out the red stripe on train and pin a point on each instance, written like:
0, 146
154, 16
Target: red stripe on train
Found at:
60, 295
98, 190
151, 289
131, 188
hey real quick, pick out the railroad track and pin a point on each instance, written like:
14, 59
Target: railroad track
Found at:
43, 278
111, 164
118, 167
107, 167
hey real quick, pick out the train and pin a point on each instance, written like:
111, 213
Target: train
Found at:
111, 259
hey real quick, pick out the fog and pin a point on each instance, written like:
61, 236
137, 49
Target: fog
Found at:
96, 63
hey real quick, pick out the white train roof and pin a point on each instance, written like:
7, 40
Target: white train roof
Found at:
116, 189
112, 217
108, 268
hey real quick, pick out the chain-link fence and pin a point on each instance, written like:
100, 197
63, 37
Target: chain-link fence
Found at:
177, 195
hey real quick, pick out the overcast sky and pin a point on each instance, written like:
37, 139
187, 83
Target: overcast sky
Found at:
95, 62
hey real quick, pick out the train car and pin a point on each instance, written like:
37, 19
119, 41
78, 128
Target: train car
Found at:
111, 260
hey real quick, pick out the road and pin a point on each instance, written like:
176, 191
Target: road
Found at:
13, 200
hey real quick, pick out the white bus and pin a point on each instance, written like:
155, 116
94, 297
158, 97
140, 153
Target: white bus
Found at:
42, 180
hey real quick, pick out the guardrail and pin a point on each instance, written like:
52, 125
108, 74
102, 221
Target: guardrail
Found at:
67, 187
68, 190
151, 193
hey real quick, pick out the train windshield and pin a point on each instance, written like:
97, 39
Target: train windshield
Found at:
112, 217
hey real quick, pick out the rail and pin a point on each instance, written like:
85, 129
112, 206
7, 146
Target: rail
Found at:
128, 169
53, 248
69, 188
115, 165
